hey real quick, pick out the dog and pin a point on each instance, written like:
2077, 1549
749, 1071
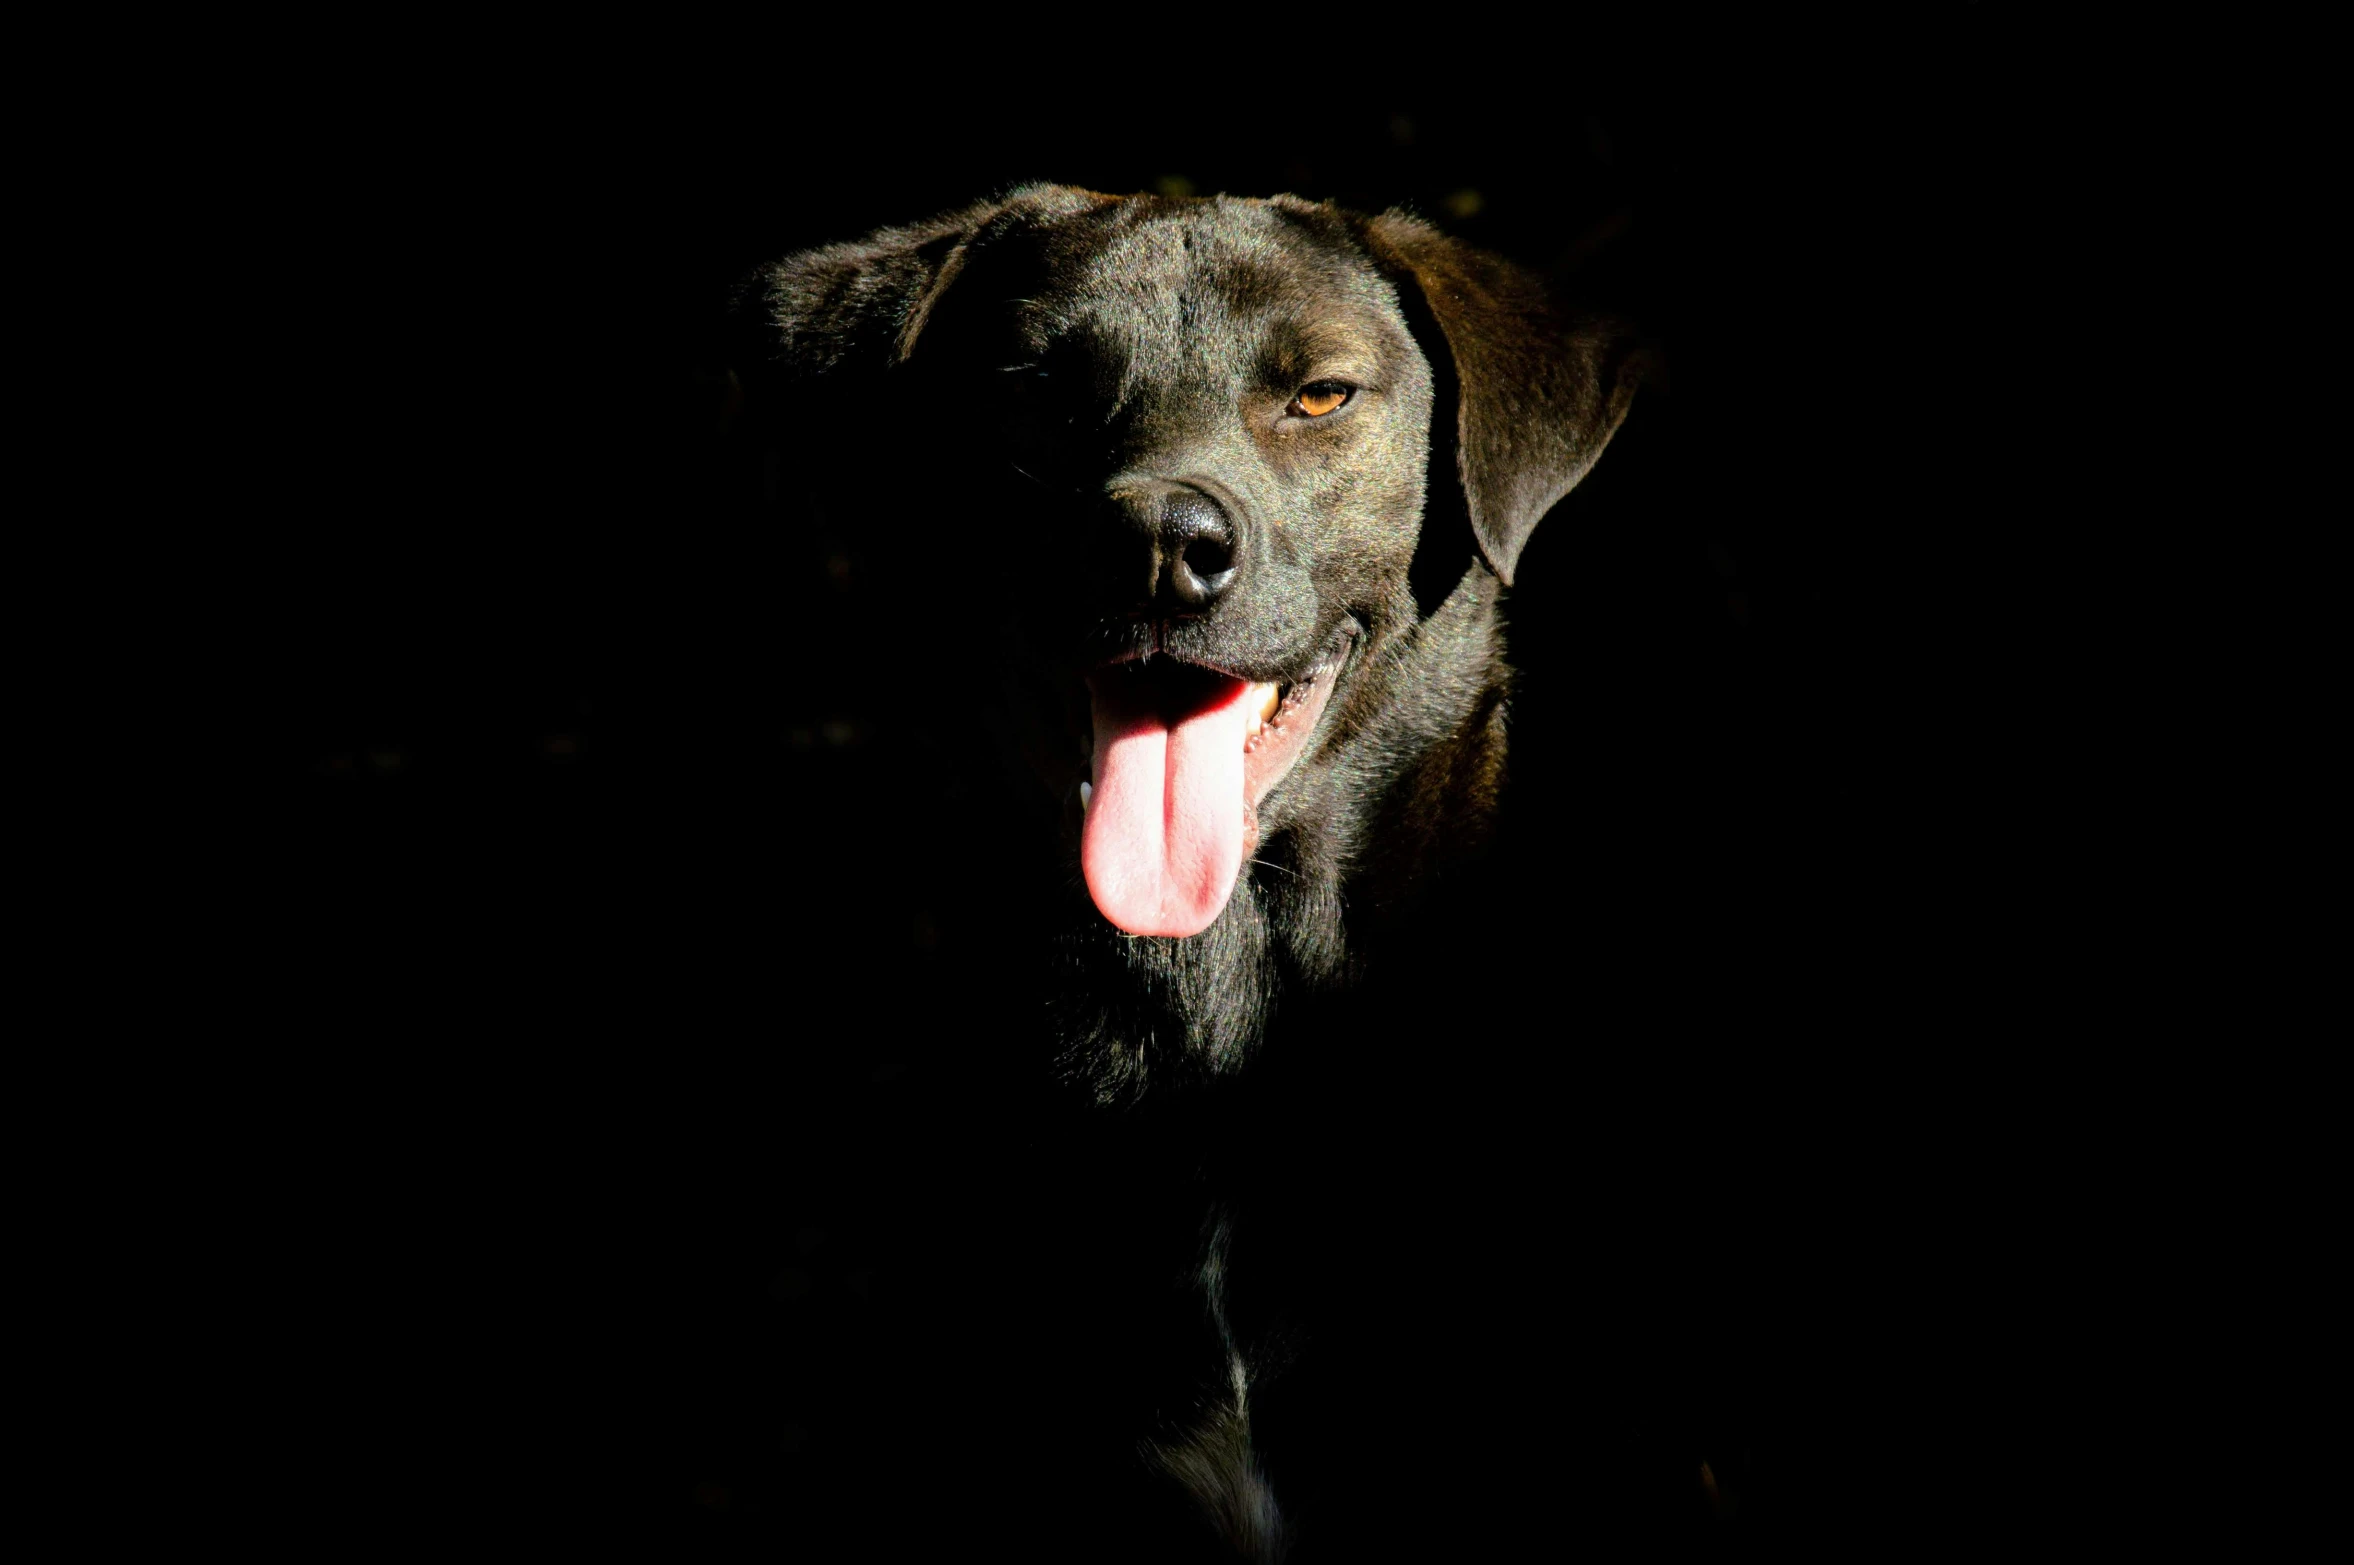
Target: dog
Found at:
1200, 512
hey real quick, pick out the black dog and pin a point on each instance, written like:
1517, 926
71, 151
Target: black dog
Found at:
1205, 507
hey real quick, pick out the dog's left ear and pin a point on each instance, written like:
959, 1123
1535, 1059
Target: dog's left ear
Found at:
1538, 393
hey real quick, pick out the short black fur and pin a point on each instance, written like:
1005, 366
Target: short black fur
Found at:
965, 392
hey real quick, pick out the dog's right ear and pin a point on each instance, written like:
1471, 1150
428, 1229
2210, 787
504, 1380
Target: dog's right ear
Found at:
854, 307
857, 309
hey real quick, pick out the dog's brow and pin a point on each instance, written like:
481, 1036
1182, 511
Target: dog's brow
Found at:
1297, 349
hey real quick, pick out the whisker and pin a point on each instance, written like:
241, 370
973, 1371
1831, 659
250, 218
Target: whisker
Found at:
1042, 483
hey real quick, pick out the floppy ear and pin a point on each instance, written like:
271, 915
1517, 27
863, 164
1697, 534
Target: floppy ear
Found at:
859, 307
1538, 393
855, 306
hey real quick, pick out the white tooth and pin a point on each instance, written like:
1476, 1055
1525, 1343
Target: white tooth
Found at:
1270, 701
1086, 792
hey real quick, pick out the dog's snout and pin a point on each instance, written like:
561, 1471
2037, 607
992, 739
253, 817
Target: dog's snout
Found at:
1190, 541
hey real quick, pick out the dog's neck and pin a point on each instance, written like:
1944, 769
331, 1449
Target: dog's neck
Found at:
1323, 899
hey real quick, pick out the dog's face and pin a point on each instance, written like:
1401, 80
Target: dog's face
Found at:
1208, 426
1175, 456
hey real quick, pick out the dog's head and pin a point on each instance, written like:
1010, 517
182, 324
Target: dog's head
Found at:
1167, 464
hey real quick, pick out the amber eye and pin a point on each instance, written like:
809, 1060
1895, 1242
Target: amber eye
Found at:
1317, 400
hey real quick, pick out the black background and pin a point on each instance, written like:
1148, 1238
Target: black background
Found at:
627, 1011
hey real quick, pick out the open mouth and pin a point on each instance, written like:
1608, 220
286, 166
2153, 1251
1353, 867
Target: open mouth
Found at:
1183, 757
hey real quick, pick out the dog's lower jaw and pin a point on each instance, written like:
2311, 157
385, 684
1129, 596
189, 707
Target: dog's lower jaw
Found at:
1133, 1014
1183, 755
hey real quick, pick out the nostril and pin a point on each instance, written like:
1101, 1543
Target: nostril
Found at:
1209, 556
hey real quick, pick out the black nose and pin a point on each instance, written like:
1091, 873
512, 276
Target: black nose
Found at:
1191, 543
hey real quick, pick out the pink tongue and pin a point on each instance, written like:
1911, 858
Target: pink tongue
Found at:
1164, 832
